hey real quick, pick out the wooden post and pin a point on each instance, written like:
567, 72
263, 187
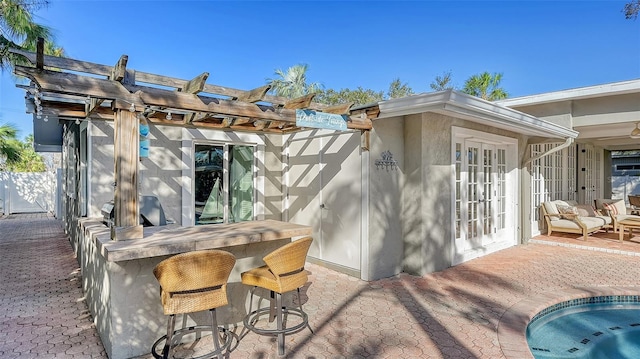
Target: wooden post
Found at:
125, 149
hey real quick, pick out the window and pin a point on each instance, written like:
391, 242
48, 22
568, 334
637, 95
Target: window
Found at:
224, 183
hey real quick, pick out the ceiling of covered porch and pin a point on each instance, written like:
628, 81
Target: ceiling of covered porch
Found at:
603, 115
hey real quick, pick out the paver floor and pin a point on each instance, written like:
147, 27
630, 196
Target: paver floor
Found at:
449, 314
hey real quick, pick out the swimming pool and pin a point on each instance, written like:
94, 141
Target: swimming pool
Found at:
596, 327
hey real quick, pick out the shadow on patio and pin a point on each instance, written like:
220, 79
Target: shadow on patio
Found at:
454, 313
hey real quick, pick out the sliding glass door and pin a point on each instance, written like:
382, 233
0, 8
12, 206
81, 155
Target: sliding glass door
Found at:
224, 183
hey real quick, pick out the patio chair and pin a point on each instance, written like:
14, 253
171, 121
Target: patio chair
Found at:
193, 282
634, 202
617, 210
284, 272
567, 217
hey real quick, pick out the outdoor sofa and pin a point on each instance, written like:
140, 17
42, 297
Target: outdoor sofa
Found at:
617, 210
570, 217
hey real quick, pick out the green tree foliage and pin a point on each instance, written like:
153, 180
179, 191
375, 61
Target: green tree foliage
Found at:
359, 96
397, 89
442, 82
29, 160
631, 9
18, 156
293, 82
9, 146
485, 86
18, 30
362, 96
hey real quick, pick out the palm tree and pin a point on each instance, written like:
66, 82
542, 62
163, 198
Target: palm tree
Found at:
9, 145
293, 83
18, 30
485, 86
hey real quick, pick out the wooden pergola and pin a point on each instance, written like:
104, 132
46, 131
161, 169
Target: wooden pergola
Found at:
72, 89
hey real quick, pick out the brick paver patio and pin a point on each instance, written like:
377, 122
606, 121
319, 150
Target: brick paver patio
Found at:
455, 313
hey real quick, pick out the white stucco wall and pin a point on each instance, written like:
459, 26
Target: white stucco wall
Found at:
169, 167
385, 241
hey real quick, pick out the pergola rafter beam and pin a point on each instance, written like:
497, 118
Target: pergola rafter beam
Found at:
196, 85
120, 69
167, 81
192, 100
300, 102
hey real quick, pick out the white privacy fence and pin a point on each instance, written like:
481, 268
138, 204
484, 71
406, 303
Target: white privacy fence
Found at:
27, 192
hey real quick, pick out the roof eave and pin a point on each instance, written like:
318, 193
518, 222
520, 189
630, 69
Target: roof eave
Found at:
474, 109
610, 89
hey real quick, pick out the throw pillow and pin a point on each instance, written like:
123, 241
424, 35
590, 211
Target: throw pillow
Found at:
615, 207
585, 210
568, 212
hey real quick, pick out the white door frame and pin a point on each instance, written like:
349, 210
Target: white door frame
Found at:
459, 251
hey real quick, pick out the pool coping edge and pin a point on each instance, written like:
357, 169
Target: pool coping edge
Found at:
512, 326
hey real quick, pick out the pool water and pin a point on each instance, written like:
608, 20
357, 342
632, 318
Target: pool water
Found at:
601, 330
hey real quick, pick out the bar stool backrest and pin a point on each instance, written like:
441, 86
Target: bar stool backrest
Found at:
194, 281
287, 264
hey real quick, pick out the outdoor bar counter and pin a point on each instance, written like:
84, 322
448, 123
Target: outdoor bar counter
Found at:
123, 295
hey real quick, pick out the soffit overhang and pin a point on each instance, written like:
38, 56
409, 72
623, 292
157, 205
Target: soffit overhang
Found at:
474, 109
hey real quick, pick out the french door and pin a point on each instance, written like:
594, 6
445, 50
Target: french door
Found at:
484, 197
481, 200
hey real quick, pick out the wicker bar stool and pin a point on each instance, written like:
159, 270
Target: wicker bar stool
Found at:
284, 272
193, 282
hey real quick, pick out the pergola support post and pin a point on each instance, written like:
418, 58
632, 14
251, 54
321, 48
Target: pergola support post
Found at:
126, 151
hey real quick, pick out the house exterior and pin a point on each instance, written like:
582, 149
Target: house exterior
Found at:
434, 180
463, 177
449, 191
414, 184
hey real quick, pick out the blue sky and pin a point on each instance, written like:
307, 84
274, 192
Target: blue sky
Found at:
539, 46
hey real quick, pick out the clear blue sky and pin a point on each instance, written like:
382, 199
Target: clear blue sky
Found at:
539, 46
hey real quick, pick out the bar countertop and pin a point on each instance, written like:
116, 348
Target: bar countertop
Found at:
174, 239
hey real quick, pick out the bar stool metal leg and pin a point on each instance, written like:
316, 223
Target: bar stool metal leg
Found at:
280, 327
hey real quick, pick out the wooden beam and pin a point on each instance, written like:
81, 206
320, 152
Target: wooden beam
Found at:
276, 125
196, 84
167, 81
300, 102
255, 95
340, 109
120, 69
40, 54
77, 85
227, 122
260, 124
92, 106
61, 82
126, 201
189, 102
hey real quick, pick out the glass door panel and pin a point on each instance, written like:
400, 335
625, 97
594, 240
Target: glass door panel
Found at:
209, 191
240, 183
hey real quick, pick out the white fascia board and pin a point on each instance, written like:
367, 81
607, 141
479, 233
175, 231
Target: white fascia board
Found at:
474, 109
610, 89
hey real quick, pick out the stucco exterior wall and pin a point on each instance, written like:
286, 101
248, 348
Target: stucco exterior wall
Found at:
273, 177
124, 297
410, 224
168, 168
594, 111
427, 192
559, 112
101, 168
386, 240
